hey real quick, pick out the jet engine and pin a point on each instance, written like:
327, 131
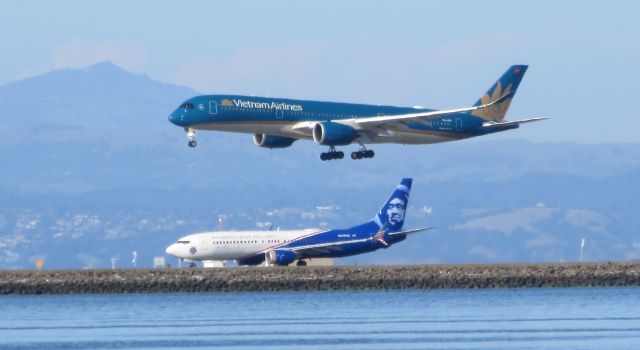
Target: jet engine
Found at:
272, 141
279, 257
333, 134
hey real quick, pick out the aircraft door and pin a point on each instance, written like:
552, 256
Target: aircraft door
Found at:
213, 107
458, 124
279, 113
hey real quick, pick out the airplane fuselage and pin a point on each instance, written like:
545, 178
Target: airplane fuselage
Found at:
246, 246
283, 117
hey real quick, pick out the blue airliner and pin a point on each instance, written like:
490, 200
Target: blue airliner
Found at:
285, 247
277, 122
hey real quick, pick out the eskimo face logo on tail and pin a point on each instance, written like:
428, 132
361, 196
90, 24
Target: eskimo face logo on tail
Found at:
396, 210
498, 110
391, 216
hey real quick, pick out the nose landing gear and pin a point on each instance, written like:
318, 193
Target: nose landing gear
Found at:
332, 154
191, 136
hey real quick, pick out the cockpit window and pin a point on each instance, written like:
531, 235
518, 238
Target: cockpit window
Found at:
183, 242
187, 105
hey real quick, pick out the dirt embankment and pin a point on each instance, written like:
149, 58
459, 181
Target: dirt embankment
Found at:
319, 278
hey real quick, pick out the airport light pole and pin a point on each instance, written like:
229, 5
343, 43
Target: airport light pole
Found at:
582, 241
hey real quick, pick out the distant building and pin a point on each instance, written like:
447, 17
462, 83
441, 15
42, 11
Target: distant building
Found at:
158, 262
320, 262
214, 263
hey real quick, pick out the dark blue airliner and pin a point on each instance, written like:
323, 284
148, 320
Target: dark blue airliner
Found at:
277, 122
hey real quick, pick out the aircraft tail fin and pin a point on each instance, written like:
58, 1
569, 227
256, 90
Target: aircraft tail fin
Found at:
506, 85
391, 215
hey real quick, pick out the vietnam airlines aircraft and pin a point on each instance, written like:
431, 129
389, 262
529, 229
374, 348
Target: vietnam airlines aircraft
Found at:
285, 247
277, 122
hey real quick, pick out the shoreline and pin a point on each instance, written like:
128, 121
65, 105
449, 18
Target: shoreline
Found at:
324, 278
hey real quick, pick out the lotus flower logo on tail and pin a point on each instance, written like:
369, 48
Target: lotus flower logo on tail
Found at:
497, 111
226, 102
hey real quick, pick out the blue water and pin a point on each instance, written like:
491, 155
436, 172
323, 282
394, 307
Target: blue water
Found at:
576, 318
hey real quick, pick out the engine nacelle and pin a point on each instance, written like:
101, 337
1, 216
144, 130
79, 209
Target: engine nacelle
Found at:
279, 257
333, 134
272, 141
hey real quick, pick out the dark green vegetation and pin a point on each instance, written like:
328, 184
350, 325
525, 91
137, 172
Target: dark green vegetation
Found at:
319, 278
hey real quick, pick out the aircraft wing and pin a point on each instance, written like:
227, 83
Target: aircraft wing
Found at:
420, 117
381, 122
333, 246
326, 247
510, 123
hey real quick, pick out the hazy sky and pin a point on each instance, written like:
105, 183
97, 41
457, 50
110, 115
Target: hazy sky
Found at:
584, 57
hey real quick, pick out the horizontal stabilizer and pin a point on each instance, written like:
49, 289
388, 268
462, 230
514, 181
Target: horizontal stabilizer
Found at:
409, 232
510, 123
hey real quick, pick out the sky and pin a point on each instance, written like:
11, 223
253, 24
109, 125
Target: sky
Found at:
583, 56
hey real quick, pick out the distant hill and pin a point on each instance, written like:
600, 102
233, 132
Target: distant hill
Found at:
91, 169
100, 102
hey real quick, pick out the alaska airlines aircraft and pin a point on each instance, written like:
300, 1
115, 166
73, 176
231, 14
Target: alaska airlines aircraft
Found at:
277, 122
285, 247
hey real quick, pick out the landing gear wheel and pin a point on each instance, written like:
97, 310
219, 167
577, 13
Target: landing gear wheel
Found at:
332, 154
362, 153
301, 263
191, 136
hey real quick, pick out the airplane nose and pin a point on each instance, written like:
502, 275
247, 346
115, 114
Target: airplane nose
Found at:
174, 118
172, 250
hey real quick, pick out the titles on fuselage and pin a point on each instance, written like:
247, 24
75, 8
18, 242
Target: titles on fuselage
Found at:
262, 105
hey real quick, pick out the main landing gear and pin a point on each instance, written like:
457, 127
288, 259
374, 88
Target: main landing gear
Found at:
191, 136
332, 154
362, 153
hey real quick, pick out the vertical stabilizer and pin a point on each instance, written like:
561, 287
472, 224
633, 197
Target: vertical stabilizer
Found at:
506, 85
